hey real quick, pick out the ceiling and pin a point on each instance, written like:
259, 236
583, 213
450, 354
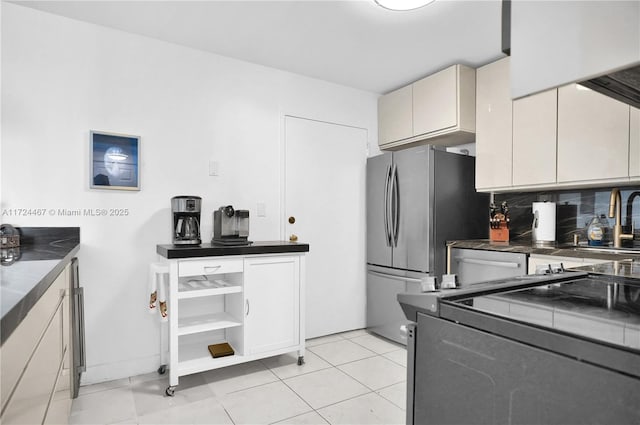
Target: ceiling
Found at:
355, 43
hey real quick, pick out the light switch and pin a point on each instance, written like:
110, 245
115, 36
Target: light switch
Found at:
213, 167
262, 209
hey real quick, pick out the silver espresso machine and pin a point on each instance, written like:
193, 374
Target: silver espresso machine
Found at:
230, 226
186, 220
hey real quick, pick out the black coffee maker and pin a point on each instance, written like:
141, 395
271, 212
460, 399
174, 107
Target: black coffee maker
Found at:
186, 220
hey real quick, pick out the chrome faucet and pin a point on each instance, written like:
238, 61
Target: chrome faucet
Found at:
615, 210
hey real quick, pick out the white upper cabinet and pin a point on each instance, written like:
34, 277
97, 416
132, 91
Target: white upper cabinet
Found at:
429, 116
493, 126
395, 121
534, 139
438, 105
593, 136
569, 137
634, 143
554, 43
439, 110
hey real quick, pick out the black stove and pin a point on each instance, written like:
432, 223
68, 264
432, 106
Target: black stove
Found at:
598, 307
558, 348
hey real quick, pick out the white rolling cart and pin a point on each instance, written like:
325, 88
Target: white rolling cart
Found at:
253, 302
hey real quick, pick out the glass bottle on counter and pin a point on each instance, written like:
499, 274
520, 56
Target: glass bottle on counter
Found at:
597, 231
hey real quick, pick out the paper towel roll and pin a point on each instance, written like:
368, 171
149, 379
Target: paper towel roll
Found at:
544, 222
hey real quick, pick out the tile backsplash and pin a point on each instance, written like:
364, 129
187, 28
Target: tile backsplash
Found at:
574, 211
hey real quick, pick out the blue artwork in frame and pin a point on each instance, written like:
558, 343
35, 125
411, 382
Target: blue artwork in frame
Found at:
114, 161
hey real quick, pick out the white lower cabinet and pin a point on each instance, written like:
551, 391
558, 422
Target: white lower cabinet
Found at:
34, 388
272, 296
254, 303
536, 260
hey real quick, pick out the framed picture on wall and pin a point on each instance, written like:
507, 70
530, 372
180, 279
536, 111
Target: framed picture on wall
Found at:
114, 162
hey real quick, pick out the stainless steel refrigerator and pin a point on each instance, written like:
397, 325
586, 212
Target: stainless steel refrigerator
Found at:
417, 199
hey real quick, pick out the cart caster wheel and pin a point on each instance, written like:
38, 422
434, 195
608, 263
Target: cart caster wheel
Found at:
162, 369
170, 391
300, 360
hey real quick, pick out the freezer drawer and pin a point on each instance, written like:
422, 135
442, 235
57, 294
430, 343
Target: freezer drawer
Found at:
474, 265
384, 314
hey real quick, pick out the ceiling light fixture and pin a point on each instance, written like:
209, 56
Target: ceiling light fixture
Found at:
116, 154
403, 4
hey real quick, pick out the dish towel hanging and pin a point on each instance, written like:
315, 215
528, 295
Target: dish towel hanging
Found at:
158, 291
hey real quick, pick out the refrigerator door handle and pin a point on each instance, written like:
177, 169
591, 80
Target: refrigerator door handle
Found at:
395, 277
387, 205
395, 197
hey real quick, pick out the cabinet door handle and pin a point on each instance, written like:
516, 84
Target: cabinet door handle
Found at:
83, 349
247, 308
503, 264
211, 268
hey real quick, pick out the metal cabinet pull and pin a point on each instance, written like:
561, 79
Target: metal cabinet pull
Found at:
83, 350
211, 268
247, 308
504, 264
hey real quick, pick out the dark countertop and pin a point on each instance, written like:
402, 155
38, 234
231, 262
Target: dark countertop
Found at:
208, 250
44, 253
625, 268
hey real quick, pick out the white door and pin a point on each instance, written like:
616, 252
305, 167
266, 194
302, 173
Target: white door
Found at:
325, 169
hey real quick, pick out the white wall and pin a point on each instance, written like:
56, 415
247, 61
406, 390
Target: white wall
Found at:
62, 78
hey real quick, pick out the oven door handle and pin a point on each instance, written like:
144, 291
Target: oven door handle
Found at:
502, 264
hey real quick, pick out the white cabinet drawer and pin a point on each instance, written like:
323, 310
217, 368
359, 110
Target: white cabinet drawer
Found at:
207, 267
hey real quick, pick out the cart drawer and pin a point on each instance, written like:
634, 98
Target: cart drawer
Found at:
207, 267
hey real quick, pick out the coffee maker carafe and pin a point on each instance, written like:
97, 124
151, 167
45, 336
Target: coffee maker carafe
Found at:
186, 220
230, 226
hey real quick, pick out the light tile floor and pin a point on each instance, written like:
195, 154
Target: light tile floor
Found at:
348, 378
